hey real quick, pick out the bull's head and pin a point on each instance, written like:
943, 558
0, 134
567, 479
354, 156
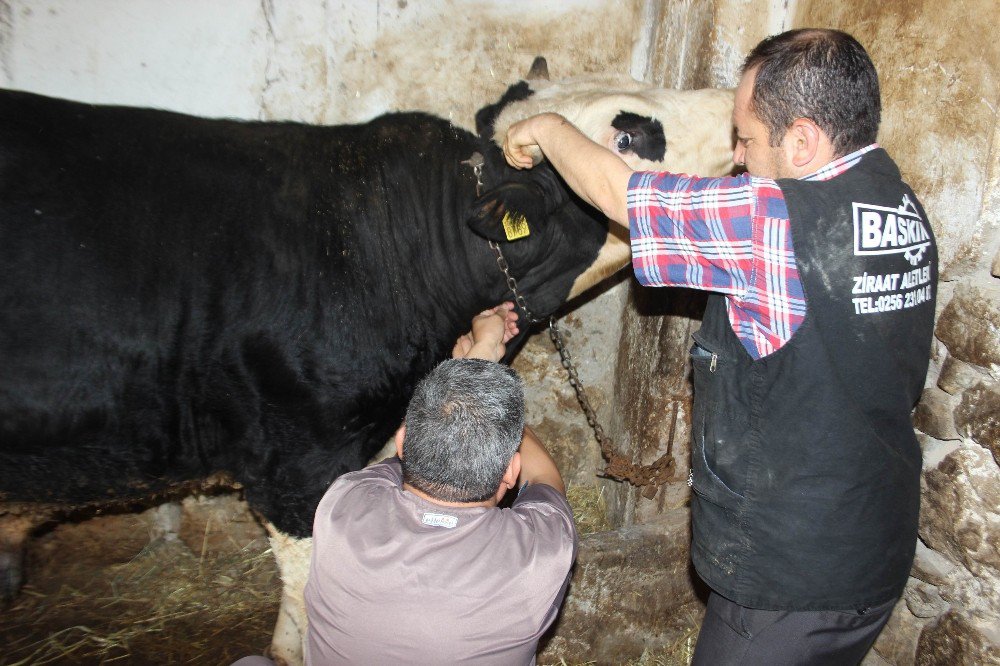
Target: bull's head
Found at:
569, 246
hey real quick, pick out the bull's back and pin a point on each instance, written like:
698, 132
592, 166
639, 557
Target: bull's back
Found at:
179, 292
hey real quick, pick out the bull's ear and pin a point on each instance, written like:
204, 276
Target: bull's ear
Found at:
509, 212
487, 115
539, 70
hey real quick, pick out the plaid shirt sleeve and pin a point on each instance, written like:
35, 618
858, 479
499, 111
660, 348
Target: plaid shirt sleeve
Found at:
730, 235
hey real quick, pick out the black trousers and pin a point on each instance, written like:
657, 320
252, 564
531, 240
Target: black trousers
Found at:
733, 634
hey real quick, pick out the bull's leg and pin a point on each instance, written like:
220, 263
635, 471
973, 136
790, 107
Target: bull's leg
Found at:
14, 531
292, 556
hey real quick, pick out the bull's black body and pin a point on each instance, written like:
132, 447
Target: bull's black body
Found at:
181, 296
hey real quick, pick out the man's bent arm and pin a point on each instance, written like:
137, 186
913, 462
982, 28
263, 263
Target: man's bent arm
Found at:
537, 465
491, 330
595, 173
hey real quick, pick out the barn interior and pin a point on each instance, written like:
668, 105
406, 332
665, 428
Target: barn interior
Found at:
633, 597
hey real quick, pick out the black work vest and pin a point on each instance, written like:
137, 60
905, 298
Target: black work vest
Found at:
805, 466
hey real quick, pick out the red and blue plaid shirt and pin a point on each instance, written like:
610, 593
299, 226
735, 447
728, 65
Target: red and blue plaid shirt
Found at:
730, 235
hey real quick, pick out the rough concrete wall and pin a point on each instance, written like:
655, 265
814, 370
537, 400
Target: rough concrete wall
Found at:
444, 56
678, 35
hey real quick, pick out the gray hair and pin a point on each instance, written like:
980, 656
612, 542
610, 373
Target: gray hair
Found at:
463, 425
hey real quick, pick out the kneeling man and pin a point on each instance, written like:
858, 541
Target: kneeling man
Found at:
413, 560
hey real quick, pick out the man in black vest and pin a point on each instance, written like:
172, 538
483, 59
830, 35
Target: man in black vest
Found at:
811, 355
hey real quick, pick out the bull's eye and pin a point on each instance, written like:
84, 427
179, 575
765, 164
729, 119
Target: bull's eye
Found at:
622, 141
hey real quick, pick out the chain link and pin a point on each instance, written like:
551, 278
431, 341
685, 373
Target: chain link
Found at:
648, 477
512, 284
620, 468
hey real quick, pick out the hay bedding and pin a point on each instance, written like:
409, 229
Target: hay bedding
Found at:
101, 592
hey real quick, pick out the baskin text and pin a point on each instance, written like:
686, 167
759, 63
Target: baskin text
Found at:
880, 230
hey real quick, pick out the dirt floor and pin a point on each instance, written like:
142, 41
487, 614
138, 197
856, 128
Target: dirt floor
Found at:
110, 590
101, 591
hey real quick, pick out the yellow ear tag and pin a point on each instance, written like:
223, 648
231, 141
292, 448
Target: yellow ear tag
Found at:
515, 226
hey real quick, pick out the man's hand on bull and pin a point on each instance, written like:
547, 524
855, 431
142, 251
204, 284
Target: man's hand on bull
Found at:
520, 203
521, 146
491, 330
595, 172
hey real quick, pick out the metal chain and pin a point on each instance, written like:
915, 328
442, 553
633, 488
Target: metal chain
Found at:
649, 477
512, 284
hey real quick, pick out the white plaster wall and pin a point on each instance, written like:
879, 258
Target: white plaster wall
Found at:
205, 58
308, 60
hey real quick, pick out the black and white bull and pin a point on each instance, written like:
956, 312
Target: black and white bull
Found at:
185, 298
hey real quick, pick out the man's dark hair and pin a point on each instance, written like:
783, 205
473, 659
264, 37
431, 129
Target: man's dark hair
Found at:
463, 425
823, 75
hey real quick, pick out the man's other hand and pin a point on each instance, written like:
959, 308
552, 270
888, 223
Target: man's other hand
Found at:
491, 330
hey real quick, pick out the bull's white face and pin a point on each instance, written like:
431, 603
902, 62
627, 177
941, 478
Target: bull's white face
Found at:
697, 126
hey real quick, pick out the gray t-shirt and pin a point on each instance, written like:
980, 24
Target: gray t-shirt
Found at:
398, 579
